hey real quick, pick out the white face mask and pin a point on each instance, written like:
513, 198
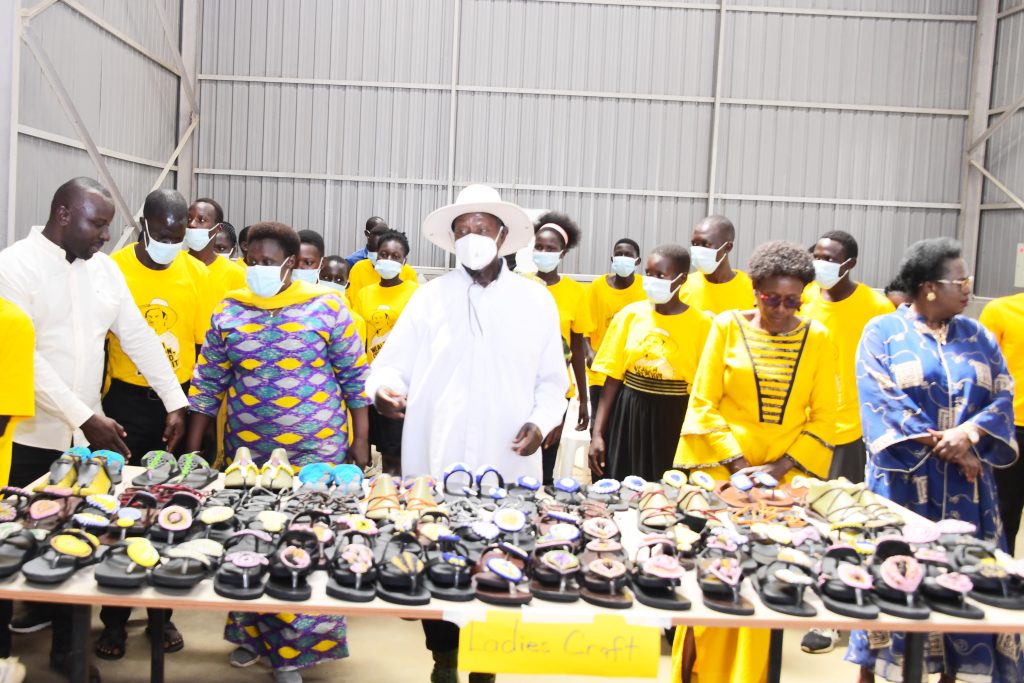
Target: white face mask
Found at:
659, 291
476, 251
161, 252
265, 281
198, 238
335, 286
826, 273
371, 256
546, 261
623, 266
387, 269
310, 276
705, 259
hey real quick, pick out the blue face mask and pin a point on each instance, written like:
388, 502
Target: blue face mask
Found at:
546, 261
387, 269
264, 281
623, 266
161, 252
310, 276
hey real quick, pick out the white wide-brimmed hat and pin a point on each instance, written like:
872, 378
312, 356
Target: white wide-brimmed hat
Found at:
437, 227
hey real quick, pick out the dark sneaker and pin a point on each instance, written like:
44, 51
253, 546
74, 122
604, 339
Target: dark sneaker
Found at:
30, 622
818, 641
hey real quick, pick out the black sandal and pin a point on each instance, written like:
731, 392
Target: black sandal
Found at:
112, 644
173, 642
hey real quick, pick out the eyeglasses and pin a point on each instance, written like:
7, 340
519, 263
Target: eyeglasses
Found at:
966, 284
774, 301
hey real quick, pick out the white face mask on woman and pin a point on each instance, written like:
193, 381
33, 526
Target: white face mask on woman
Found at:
265, 281
477, 251
659, 291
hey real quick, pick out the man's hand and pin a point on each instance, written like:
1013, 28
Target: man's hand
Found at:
970, 466
951, 445
389, 403
360, 451
105, 434
597, 456
527, 441
737, 465
584, 418
174, 428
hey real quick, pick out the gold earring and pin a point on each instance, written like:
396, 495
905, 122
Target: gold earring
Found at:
931, 296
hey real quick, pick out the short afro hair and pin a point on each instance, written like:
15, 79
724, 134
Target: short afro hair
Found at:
394, 236
563, 221
780, 259
677, 254
844, 238
218, 212
629, 242
243, 235
925, 261
894, 286
229, 232
314, 238
165, 203
284, 235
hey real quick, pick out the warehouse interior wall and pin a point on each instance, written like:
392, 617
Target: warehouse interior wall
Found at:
637, 117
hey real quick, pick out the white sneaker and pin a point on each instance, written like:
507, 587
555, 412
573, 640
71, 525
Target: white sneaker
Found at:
818, 641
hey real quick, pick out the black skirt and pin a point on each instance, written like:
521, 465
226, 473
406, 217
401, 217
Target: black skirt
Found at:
643, 433
386, 433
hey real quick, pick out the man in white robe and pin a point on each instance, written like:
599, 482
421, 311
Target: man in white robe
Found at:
474, 364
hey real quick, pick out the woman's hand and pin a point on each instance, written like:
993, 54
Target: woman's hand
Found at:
360, 451
597, 455
584, 417
777, 469
970, 466
952, 444
737, 465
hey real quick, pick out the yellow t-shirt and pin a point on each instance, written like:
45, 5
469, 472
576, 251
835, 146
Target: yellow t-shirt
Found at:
174, 303
573, 309
225, 276
647, 344
380, 308
363, 274
737, 293
762, 396
17, 400
845, 321
605, 301
1004, 318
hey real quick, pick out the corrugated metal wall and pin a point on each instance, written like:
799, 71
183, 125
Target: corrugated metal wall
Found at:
322, 113
1002, 224
128, 102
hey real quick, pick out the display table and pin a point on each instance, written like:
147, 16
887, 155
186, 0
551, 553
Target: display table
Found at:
82, 591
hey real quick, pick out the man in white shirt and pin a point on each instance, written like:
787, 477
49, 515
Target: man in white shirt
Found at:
75, 295
474, 363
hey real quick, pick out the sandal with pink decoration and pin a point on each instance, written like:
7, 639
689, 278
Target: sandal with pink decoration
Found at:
845, 585
657, 573
353, 574
604, 584
898, 575
720, 576
242, 574
297, 555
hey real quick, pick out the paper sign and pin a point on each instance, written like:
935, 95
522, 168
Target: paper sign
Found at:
1018, 275
606, 647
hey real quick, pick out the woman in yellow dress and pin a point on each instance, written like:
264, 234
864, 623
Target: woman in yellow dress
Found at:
765, 398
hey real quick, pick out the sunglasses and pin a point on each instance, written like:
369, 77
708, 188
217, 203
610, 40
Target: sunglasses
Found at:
774, 301
966, 284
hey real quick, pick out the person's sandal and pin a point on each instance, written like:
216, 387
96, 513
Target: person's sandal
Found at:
112, 644
382, 499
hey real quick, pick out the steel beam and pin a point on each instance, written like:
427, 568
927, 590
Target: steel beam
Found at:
121, 35
50, 73
1004, 117
978, 102
454, 101
716, 110
999, 184
188, 47
12, 161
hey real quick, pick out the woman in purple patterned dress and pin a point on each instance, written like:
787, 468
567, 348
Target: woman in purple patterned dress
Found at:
288, 358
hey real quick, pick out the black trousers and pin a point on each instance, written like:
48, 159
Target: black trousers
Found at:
1010, 485
442, 636
141, 412
28, 464
548, 457
849, 460
595, 401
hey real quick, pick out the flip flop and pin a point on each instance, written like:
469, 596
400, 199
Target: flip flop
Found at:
781, 586
845, 584
64, 470
49, 509
554, 567
606, 491
219, 522
566, 491
499, 576
945, 592
242, 473
447, 572
196, 473
291, 564
672, 481
657, 573
525, 488
18, 545
14, 504
400, 568
277, 474
656, 513
898, 575
719, 579
514, 527
160, 466
69, 551
457, 482
115, 463
348, 482
486, 473
353, 574
97, 473
242, 573
185, 565
176, 518
993, 583
604, 584
127, 564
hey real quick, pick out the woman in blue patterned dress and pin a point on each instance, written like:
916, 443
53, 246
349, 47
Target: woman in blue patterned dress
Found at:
288, 358
936, 406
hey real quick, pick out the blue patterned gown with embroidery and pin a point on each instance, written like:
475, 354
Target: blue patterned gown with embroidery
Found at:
911, 379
